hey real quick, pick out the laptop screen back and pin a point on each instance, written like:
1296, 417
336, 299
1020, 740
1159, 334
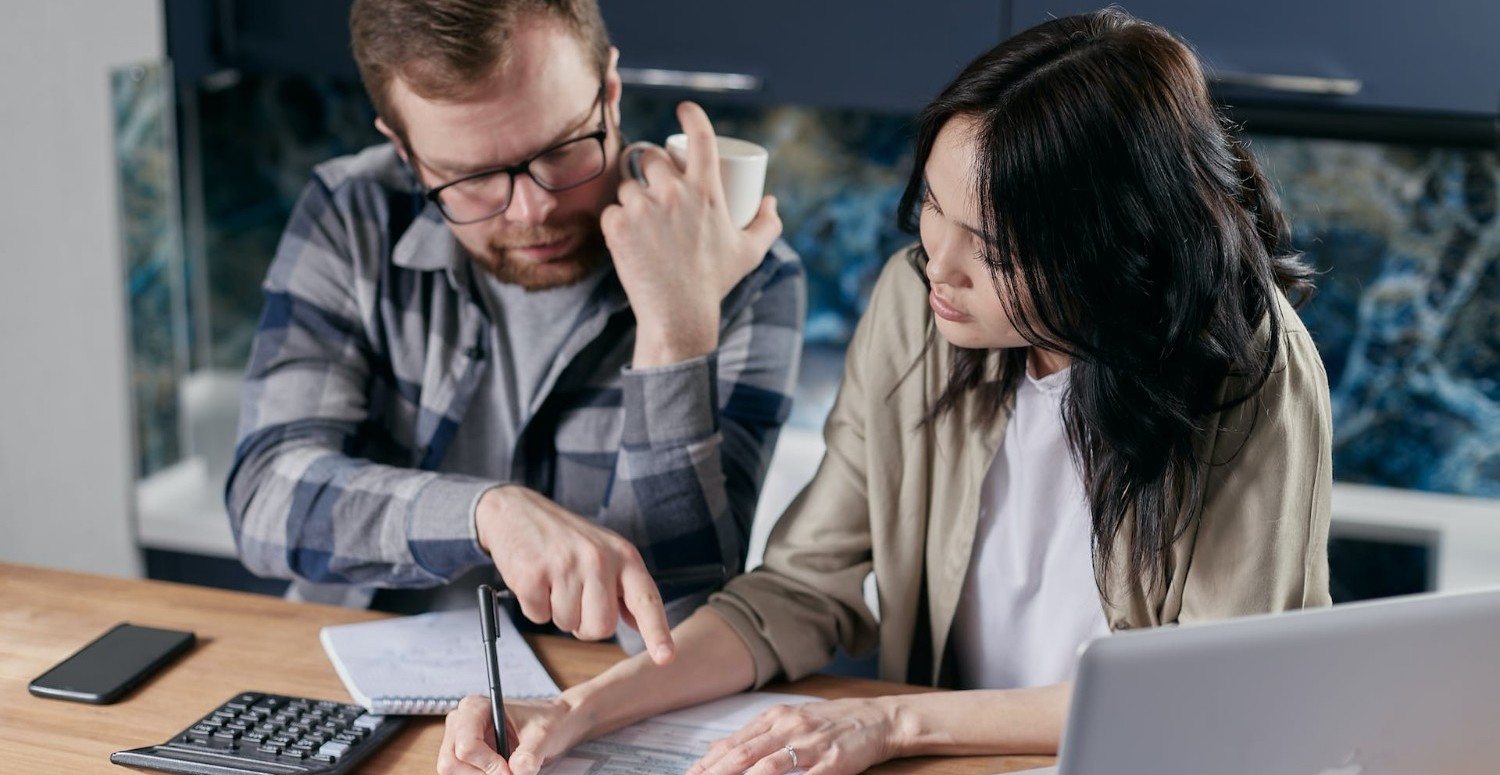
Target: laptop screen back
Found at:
1405, 685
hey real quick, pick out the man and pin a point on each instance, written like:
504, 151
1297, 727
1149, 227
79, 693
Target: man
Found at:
483, 351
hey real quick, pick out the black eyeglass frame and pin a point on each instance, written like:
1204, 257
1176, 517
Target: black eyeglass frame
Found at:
599, 135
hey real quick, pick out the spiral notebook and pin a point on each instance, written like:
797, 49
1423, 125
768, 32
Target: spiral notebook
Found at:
425, 664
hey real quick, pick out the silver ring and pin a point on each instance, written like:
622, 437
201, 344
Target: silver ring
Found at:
792, 752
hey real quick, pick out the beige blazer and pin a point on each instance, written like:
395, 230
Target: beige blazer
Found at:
902, 499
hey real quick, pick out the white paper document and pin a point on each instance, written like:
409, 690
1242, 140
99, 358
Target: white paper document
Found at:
668, 744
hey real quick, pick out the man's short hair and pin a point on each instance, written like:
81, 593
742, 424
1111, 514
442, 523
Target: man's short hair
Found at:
443, 49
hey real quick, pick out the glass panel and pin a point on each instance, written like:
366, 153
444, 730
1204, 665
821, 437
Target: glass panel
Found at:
1408, 312
250, 145
1408, 319
146, 152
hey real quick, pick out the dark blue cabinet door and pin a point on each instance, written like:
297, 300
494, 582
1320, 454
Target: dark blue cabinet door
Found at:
259, 36
1427, 55
873, 54
891, 55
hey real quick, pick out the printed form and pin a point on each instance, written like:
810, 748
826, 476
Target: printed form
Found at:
668, 744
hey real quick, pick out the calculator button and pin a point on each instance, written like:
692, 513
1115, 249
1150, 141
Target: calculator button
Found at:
369, 721
334, 749
294, 753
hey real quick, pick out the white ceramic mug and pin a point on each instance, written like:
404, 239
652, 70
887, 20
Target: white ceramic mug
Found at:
742, 168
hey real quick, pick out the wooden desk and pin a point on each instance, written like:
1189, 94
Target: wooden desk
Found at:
245, 642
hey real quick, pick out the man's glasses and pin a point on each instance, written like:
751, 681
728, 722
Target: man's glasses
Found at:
486, 194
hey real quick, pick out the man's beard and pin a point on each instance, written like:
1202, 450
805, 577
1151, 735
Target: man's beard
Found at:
572, 267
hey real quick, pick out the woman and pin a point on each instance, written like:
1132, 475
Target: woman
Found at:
1083, 403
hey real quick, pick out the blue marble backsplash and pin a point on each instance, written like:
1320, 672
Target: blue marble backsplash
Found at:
1408, 313
1407, 319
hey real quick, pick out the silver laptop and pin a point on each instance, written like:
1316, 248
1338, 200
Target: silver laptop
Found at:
1402, 686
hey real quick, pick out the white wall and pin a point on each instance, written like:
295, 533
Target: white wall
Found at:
66, 474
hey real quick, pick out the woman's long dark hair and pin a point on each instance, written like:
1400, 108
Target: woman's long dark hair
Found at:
1136, 235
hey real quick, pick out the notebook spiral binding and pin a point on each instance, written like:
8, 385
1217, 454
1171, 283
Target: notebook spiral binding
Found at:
412, 706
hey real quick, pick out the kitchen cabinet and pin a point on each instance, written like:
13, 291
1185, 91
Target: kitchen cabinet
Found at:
259, 36
1441, 56
887, 55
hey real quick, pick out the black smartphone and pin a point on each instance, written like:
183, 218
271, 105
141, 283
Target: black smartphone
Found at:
106, 669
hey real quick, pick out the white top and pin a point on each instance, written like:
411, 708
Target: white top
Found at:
1029, 600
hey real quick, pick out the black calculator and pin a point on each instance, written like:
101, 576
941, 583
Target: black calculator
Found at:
269, 734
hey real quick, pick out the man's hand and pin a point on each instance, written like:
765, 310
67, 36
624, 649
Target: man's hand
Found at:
676, 251
564, 569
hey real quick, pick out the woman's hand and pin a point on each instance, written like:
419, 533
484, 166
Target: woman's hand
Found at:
838, 737
538, 731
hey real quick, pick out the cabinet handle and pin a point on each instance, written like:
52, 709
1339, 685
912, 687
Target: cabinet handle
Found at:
1292, 84
693, 81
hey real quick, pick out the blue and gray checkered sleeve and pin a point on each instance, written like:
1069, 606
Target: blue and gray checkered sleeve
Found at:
698, 435
300, 505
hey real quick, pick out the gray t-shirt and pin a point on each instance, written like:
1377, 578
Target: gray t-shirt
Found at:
529, 330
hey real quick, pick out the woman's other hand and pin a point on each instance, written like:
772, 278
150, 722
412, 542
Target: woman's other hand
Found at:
838, 737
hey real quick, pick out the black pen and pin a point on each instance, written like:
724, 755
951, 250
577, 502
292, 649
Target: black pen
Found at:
490, 633
491, 636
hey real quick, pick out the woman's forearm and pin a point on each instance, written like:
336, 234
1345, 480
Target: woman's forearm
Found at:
1012, 721
711, 662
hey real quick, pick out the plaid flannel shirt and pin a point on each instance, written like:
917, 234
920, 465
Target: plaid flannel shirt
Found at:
369, 350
